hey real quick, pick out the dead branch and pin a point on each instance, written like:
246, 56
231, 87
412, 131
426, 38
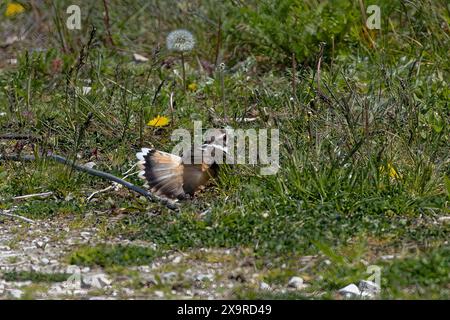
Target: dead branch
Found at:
34, 195
114, 185
154, 198
106, 22
12, 215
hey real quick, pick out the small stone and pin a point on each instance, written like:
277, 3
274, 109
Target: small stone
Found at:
169, 276
16, 293
367, 295
177, 260
35, 268
204, 277
40, 244
80, 292
45, 261
55, 289
98, 281
10, 40
296, 282
350, 291
85, 234
139, 58
154, 265
148, 280
127, 291
73, 269
159, 294
264, 286
144, 268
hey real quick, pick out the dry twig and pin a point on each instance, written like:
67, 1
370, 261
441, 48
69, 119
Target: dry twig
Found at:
12, 215
154, 198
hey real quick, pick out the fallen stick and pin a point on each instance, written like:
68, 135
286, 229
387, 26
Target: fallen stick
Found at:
93, 194
114, 185
27, 196
168, 203
12, 215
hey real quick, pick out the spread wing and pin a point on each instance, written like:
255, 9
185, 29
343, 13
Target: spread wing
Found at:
172, 176
162, 171
166, 174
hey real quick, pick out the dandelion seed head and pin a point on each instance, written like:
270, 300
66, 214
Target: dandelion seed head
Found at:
180, 40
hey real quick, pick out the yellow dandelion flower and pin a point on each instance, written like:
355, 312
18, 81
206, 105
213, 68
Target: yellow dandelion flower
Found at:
192, 86
13, 9
390, 170
159, 121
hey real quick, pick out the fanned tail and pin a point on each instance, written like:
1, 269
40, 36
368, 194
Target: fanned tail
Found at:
163, 172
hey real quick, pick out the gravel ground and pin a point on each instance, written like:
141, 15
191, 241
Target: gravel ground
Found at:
43, 247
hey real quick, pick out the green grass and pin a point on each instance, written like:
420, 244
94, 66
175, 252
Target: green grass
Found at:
423, 275
35, 276
110, 256
363, 151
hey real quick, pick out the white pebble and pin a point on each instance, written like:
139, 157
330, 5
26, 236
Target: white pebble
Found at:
350, 291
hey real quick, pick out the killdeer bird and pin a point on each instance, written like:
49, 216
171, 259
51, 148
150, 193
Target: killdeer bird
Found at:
179, 177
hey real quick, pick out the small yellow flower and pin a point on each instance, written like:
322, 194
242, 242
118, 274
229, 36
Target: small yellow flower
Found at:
192, 86
390, 170
159, 121
13, 9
